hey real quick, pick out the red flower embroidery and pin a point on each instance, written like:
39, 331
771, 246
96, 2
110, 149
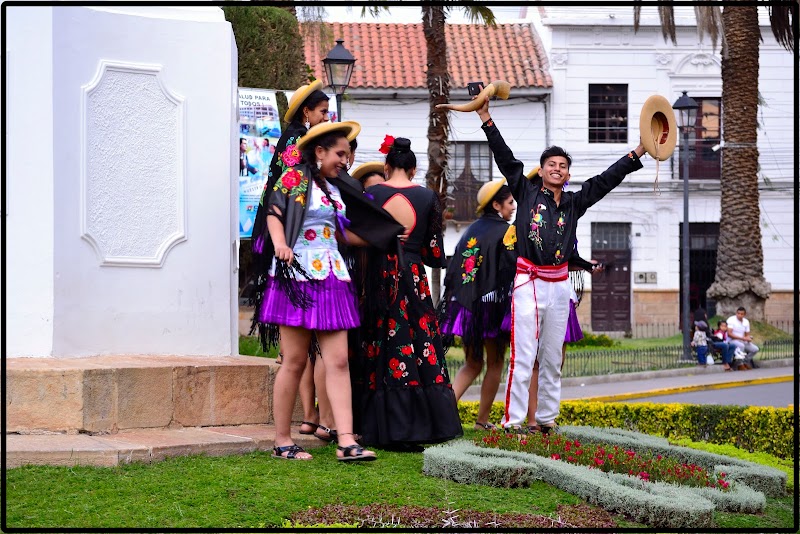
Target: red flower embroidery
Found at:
290, 156
392, 324
388, 141
439, 379
393, 363
397, 374
469, 264
325, 201
407, 350
413, 383
436, 252
291, 179
415, 269
432, 359
310, 234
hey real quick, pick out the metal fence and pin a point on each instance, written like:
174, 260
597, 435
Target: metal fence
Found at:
612, 361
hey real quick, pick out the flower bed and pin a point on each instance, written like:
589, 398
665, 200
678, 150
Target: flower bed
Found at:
646, 466
680, 489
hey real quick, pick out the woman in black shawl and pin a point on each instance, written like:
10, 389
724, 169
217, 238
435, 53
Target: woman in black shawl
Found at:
476, 304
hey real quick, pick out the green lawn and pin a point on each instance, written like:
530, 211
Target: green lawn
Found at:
256, 491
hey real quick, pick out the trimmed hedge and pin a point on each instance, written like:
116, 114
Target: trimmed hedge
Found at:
752, 428
654, 503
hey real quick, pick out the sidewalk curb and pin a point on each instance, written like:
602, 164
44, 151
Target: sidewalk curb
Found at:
686, 389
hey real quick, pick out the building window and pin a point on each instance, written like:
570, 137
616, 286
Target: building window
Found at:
704, 163
611, 236
471, 167
608, 113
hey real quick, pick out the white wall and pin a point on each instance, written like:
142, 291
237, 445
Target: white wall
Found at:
142, 230
29, 185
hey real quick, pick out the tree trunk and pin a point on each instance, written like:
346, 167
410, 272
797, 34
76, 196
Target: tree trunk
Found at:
739, 279
438, 78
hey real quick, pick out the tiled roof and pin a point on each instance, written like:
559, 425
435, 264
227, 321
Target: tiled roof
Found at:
393, 56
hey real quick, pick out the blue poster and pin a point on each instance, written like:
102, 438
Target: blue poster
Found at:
259, 131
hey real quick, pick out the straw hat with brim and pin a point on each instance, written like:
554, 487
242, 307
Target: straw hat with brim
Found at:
356, 129
533, 173
299, 97
657, 127
367, 168
325, 128
487, 192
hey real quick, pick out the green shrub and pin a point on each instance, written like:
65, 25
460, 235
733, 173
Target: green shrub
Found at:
593, 340
271, 54
752, 428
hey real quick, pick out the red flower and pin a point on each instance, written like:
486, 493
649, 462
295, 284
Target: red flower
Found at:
291, 156
397, 373
407, 350
436, 252
432, 359
388, 141
413, 383
439, 379
310, 234
555, 456
290, 179
393, 363
469, 264
415, 269
392, 324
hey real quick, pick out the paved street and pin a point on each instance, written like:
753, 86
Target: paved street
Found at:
778, 395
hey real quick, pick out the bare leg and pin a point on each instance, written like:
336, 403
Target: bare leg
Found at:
333, 349
495, 354
467, 374
307, 399
325, 413
294, 345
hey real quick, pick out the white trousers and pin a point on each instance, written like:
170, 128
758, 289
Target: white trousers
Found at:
541, 305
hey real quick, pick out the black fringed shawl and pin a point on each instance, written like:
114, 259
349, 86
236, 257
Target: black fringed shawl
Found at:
479, 278
288, 202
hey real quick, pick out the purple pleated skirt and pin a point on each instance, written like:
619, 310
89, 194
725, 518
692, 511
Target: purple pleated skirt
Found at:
574, 332
454, 324
334, 306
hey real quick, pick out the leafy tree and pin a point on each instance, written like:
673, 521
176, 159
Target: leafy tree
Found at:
739, 278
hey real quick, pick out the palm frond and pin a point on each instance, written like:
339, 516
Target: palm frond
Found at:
666, 15
480, 14
374, 10
780, 18
709, 21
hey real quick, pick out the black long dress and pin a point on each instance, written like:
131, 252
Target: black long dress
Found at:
408, 398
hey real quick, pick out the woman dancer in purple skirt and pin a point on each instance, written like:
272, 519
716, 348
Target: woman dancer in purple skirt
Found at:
309, 289
476, 304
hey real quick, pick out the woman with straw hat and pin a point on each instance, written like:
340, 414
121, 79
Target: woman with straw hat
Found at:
308, 290
307, 107
476, 304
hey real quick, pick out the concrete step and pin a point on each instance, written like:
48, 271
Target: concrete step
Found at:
109, 394
142, 445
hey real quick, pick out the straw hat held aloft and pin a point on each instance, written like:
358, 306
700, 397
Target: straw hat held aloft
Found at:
657, 128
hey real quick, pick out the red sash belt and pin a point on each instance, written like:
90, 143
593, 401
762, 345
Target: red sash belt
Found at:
548, 273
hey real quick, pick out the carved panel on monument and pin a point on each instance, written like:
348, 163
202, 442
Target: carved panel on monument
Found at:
132, 165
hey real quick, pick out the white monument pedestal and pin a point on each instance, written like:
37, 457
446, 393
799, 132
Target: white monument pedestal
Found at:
121, 212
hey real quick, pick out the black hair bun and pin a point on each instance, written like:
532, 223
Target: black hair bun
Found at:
401, 144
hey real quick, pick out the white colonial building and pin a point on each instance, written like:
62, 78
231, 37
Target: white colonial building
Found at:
580, 76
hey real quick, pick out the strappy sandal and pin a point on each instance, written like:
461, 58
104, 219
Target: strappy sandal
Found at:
332, 435
534, 428
314, 428
291, 450
354, 453
484, 426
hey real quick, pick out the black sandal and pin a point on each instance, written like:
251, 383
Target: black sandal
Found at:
354, 453
314, 426
332, 435
291, 450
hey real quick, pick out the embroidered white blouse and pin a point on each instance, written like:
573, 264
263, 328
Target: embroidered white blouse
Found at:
316, 248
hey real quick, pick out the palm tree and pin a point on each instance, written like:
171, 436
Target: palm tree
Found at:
739, 278
434, 18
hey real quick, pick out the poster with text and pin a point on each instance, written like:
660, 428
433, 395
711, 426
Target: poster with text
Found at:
259, 131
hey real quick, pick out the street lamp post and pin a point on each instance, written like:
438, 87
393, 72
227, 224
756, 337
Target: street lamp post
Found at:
687, 110
339, 68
